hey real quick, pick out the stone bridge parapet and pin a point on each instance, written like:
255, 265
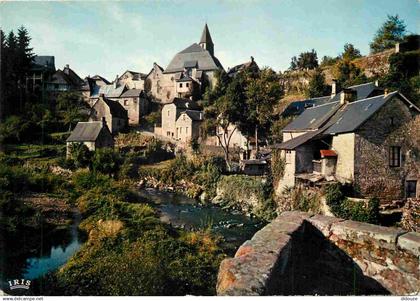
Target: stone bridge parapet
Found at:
301, 254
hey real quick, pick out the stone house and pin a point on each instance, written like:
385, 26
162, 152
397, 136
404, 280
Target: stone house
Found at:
159, 86
363, 91
64, 80
134, 101
189, 73
100, 81
114, 114
93, 134
251, 66
132, 79
368, 142
180, 120
188, 125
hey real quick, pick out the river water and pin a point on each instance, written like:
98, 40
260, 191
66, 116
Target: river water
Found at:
32, 255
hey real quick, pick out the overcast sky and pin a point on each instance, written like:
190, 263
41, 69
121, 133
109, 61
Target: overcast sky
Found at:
107, 38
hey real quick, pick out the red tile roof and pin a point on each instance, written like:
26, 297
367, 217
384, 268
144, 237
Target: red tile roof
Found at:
328, 153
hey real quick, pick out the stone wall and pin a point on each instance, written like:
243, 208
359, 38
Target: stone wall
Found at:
300, 254
392, 125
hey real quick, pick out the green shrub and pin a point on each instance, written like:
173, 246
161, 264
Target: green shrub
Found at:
80, 154
343, 207
106, 161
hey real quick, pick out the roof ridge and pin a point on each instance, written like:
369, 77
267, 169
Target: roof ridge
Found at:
362, 84
324, 104
381, 95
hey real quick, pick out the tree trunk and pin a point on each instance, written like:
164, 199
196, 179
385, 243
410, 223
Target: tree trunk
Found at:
256, 140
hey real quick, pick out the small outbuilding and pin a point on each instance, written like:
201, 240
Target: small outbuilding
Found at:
93, 134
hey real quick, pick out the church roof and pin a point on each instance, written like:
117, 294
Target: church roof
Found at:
205, 36
194, 53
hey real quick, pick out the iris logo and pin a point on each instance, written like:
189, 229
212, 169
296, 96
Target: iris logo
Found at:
17, 284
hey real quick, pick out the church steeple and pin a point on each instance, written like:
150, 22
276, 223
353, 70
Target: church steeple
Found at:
206, 42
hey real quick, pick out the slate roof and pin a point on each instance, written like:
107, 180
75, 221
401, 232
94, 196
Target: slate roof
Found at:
136, 75
354, 114
205, 61
70, 78
234, 70
205, 36
132, 93
46, 62
98, 77
338, 118
313, 118
194, 115
108, 91
85, 131
295, 142
184, 103
363, 91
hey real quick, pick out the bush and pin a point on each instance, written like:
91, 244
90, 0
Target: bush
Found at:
80, 154
106, 161
345, 208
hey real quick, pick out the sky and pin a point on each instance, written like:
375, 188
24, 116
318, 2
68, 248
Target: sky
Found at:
107, 37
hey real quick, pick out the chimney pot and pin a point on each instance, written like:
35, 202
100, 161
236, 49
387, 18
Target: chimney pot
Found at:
377, 83
347, 95
386, 92
333, 88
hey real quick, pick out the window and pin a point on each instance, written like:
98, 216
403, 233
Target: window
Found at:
168, 112
186, 130
180, 130
394, 156
180, 85
187, 85
125, 102
410, 189
391, 121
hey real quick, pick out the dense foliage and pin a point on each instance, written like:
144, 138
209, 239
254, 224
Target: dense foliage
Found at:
391, 32
317, 85
129, 251
345, 208
306, 61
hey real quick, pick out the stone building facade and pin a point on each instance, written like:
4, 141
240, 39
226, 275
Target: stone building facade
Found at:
180, 120
132, 79
93, 134
373, 141
189, 73
114, 114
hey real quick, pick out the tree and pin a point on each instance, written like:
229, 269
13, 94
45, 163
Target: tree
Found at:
350, 52
262, 93
80, 154
106, 161
328, 61
391, 32
348, 74
306, 60
317, 86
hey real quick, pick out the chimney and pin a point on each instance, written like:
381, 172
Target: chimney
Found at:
333, 88
347, 95
103, 122
116, 82
201, 115
386, 92
66, 69
252, 58
377, 83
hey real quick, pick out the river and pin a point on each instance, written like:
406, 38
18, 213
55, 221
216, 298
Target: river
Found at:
31, 255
